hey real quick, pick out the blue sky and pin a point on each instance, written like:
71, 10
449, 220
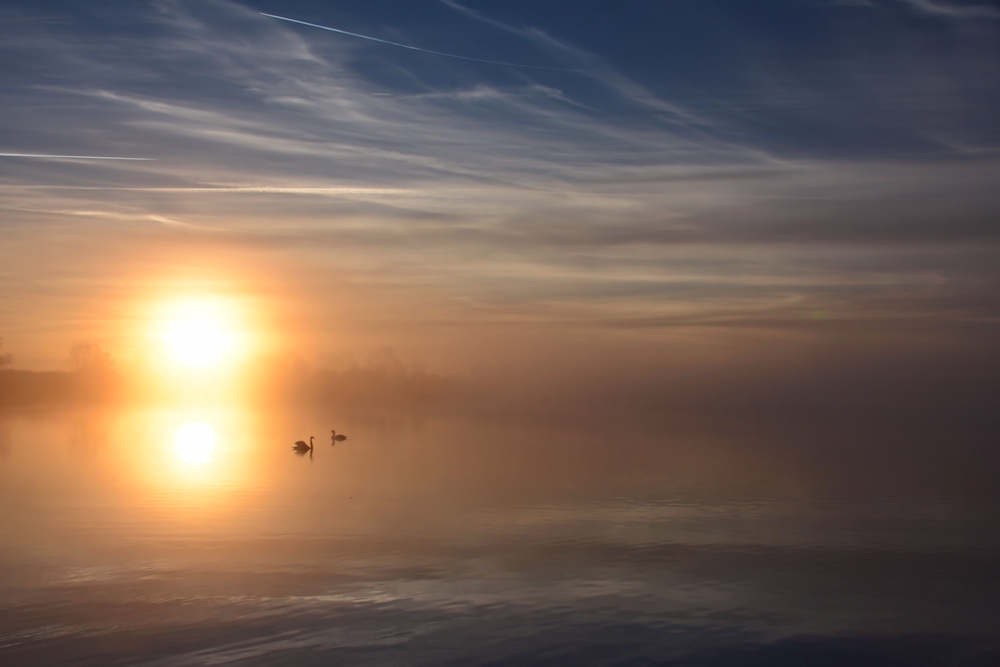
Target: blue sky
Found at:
699, 167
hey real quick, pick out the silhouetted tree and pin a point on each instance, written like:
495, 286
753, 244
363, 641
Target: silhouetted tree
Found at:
90, 358
386, 361
5, 359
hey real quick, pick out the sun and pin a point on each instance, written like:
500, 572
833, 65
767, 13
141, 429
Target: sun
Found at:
198, 341
201, 333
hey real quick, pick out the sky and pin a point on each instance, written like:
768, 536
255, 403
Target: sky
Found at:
651, 184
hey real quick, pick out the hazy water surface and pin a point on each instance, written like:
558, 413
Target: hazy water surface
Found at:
198, 537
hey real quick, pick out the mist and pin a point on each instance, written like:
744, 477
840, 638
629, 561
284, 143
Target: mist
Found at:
387, 332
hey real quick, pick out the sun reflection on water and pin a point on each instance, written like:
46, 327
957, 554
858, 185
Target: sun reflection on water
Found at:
203, 461
195, 443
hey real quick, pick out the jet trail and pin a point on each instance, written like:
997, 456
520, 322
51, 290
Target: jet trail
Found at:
415, 48
75, 157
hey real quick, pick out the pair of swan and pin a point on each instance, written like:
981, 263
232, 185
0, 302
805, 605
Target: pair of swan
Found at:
301, 447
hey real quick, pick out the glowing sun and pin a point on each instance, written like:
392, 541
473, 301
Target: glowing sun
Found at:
201, 333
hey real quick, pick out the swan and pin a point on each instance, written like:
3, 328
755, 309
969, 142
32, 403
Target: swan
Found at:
301, 447
338, 438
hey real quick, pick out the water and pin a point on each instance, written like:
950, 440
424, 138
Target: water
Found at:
198, 537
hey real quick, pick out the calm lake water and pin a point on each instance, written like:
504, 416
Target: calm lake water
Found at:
198, 537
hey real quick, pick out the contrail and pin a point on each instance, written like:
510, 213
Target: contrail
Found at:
74, 157
415, 48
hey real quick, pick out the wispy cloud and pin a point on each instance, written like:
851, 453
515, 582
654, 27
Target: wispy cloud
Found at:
517, 195
954, 9
72, 157
410, 47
